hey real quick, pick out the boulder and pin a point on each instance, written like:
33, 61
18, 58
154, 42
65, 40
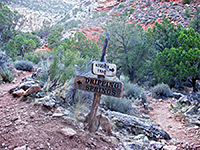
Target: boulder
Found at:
135, 125
48, 101
33, 89
26, 85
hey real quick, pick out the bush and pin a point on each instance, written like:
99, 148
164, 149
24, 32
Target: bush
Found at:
131, 10
24, 65
162, 91
122, 105
186, 1
121, 5
132, 90
6, 75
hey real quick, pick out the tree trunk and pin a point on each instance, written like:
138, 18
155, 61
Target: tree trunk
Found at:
194, 85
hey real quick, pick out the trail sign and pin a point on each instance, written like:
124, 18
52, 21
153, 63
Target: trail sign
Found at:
103, 68
98, 85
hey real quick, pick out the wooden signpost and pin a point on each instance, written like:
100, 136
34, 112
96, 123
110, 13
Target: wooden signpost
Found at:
99, 85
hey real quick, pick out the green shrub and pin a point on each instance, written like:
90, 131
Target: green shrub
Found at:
186, 1
132, 90
162, 91
131, 10
83, 97
121, 5
6, 75
24, 65
187, 12
33, 57
122, 105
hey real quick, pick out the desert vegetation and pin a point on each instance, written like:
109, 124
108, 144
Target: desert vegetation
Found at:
160, 63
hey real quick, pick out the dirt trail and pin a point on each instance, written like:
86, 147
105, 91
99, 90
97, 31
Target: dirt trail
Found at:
175, 128
32, 126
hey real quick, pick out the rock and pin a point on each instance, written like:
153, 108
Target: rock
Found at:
135, 125
18, 93
184, 100
177, 95
191, 110
70, 121
57, 115
33, 89
170, 147
26, 85
156, 145
133, 146
69, 132
32, 115
48, 101
21, 148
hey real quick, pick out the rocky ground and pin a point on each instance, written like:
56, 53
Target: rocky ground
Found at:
93, 14
26, 126
30, 125
177, 127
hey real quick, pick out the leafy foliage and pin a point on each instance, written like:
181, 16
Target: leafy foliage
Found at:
164, 35
195, 23
8, 21
21, 44
162, 91
182, 62
55, 36
128, 46
79, 43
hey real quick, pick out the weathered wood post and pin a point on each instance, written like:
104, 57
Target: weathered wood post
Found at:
97, 97
99, 85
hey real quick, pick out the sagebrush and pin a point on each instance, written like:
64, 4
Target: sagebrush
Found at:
162, 90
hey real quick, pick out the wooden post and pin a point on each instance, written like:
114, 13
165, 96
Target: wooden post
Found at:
97, 97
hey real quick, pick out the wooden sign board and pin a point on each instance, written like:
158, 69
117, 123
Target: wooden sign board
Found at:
97, 85
103, 68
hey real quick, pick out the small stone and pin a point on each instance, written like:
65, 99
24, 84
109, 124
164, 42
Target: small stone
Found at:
169, 126
18, 93
69, 132
169, 147
156, 145
42, 146
32, 115
57, 115
21, 148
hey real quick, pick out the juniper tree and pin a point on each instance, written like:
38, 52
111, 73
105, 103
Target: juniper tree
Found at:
182, 62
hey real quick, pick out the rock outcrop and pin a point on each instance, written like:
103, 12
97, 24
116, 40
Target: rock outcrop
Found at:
135, 125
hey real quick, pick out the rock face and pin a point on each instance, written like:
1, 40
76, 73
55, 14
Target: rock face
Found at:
135, 125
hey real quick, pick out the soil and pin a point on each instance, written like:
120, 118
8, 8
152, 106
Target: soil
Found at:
32, 126
176, 127
28, 126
